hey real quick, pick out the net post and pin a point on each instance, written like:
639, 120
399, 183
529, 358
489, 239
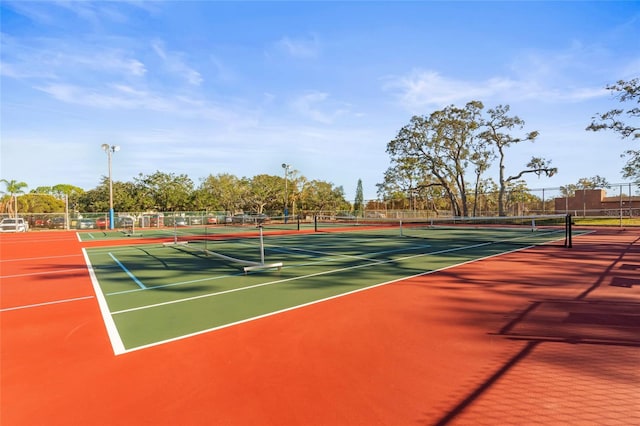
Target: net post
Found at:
567, 231
261, 246
570, 232
315, 223
175, 229
298, 222
401, 227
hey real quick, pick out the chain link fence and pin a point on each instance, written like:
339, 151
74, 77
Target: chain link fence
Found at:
615, 201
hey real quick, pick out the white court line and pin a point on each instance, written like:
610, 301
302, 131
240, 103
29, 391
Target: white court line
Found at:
117, 249
348, 256
23, 259
199, 280
49, 239
112, 331
37, 305
90, 234
367, 257
59, 271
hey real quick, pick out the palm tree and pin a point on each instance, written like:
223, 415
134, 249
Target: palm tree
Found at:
13, 187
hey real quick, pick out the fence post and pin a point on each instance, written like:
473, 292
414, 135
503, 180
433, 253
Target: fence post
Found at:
620, 187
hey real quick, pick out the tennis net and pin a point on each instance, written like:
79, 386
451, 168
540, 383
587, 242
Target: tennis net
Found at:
539, 229
247, 253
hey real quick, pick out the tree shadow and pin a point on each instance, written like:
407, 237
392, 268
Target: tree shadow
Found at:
583, 319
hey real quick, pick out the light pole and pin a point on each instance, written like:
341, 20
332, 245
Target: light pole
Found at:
110, 149
286, 207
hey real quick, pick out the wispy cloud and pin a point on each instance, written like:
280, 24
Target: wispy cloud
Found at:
420, 88
33, 11
423, 88
316, 106
49, 58
15, 71
108, 97
79, 73
92, 12
50, 12
299, 47
175, 63
110, 60
565, 74
630, 70
220, 70
124, 97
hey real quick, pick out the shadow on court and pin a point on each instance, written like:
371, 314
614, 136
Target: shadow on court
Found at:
579, 355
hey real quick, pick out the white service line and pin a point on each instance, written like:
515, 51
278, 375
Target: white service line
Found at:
23, 259
59, 271
54, 302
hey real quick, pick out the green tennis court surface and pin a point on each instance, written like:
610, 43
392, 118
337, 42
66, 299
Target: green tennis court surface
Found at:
155, 293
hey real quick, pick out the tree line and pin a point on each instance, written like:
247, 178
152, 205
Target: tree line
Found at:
438, 161
165, 192
308, 198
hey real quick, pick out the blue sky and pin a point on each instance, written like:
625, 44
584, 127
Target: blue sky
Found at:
207, 87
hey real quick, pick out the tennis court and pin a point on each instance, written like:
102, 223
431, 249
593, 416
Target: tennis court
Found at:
379, 325
159, 292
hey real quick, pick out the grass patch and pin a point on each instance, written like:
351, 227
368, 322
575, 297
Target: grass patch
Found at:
607, 221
